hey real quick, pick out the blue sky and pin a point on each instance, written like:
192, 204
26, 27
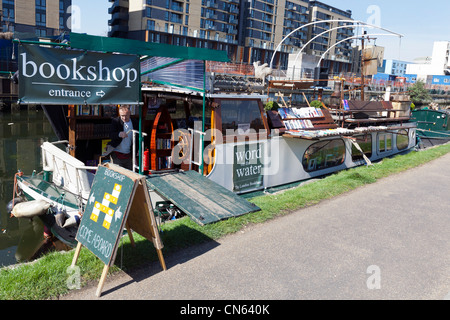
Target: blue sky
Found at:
421, 22
93, 17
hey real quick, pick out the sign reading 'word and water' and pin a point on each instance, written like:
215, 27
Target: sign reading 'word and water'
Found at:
61, 76
248, 167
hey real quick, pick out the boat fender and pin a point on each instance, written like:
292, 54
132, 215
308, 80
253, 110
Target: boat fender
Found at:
72, 221
29, 209
60, 217
12, 203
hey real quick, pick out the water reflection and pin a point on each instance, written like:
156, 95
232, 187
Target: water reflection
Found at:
21, 134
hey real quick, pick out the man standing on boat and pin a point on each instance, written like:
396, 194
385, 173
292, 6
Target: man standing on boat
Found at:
122, 138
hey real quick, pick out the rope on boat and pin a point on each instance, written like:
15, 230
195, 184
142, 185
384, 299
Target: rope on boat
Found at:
20, 173
357, 146
446, 134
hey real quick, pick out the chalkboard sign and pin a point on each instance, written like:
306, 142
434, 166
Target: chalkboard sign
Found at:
118, 198
105, 213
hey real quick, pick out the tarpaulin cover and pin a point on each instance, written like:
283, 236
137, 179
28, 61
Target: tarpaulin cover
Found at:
141, 48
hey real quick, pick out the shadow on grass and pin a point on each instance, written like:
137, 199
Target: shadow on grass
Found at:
141, 261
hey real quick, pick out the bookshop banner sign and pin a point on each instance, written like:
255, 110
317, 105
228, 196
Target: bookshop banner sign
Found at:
61, 76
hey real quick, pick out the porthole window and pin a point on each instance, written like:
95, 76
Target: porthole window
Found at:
384, 142
402, 139
324, 154
365, 142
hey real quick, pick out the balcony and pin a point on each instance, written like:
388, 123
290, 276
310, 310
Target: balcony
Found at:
211, 16
118, 29
117, 18
267, 28
116, 5
176, 7
234, 10
232, 31
232, 20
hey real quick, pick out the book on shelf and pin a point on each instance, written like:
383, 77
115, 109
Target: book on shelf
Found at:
85, 110
105, 145
163, 143
84, 130
95, 110
79, 110
164, 162
298, 124
92, 131
306, 112
109, 111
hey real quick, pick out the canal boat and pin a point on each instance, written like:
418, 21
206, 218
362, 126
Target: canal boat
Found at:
433, 127
247, 148
207, 138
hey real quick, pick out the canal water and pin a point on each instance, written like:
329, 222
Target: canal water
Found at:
21, 134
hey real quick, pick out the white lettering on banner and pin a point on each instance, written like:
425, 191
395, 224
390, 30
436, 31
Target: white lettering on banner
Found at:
58, 71
245, 156
78, 72
69, 93
249, 171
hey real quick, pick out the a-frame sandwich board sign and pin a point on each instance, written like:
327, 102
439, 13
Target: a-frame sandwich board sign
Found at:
119, 198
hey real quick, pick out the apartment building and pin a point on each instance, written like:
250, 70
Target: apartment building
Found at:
249, 30
43, 18
26, 20
339, 56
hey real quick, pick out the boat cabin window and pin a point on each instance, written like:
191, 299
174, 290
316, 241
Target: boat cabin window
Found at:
324, 154
384, 142
402, 139
365, 142
239, 116
182, 113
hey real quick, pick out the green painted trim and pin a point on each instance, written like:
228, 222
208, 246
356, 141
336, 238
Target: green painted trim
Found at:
141, 48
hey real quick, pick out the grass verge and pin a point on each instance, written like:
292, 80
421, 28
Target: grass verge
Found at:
49, 277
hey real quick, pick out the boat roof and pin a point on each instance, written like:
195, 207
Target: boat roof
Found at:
142, 48
446, 111
340, 132
185, 91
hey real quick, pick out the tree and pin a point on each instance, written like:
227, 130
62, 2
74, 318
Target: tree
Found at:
418, 93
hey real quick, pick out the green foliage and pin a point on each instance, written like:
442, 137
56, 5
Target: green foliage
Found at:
271, 105
418, 93
316, 104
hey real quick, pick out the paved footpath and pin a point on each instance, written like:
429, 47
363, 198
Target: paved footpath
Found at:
387, 240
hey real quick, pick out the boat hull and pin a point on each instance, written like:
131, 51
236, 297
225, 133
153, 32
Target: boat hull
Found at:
286, 158
430, 139
433, 127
